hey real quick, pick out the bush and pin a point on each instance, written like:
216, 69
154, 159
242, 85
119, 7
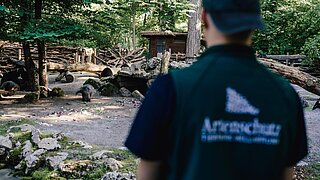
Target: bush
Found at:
312, 49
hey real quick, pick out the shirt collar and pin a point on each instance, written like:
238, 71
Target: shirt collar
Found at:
230, 49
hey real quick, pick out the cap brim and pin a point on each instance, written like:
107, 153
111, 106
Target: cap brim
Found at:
229, 23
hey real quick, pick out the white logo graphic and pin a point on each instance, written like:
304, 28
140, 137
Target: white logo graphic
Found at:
252, 131
238, 104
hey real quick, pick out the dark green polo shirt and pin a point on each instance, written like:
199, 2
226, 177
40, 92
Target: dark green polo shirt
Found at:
228, 118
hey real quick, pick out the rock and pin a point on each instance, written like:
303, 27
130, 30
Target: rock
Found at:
302, 163
108, 89
56, 92
140, 74
32, 160
316, 105
58, 136
49, 144
137, 95
118, 176
5, 142
153, 63
93, 82
178, 65
55, 161
112, 164
2, 151
23, 127
44, 92
10, 135
27, 149
82, 144
124, 92
76, 168
304, 102
18, 144
101, 154
35, 136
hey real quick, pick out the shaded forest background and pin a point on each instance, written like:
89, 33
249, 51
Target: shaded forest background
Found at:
292, 25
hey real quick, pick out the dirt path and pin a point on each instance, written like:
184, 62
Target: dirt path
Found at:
105, 121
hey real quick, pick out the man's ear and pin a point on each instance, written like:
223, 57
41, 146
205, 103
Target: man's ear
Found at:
204, 18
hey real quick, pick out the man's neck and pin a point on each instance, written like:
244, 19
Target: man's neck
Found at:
214, 39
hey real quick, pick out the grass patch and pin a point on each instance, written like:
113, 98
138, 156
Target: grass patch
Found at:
127, 159
22, 136
312, 171
97, 172
4, 126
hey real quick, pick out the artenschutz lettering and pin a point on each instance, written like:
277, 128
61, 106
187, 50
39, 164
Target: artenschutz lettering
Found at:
253, 132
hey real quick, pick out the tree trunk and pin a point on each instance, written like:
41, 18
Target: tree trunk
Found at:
88, 67
294, 75
38, 8
43, 78
134, 26
32, 84
194, 31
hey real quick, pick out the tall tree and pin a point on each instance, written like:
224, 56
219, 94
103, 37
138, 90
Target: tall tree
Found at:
42, 64
194, 31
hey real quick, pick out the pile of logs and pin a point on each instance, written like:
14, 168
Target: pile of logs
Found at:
117, 57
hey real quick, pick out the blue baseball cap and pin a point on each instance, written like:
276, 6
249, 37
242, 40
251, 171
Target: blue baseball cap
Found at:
232, 16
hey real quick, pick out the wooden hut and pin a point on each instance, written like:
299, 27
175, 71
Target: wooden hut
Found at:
165, 40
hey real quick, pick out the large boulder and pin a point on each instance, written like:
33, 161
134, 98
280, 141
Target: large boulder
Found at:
49, 144
35, 136
101, 155
93, 82
55, 161
27, 149
76, 168
5, 142
108, 89
33, 160
124, 92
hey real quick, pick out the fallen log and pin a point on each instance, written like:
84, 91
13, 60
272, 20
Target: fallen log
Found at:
294, 75
285, 57
89, 67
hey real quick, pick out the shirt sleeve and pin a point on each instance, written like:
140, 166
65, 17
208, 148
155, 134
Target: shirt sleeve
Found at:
299, 148
148, 137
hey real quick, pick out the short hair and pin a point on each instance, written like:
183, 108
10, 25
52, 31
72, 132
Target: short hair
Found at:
240, 36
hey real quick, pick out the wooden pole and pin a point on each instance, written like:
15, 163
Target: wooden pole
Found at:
94, 56
165, 62
82, 56
19, 54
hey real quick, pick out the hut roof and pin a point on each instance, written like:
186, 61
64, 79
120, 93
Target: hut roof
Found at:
161, 33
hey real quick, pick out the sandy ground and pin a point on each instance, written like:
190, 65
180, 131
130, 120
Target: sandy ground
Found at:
105, 121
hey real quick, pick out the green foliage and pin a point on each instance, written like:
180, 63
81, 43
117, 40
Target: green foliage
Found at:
313, 171
292, 26
312, 49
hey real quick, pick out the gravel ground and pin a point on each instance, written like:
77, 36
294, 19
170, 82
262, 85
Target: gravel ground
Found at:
312, 124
